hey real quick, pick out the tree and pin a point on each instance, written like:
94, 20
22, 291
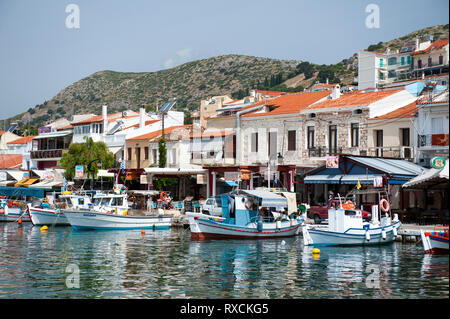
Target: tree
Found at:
83, 153
162, 152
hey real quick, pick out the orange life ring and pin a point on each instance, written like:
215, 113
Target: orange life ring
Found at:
384, 205
163, 196
248, 204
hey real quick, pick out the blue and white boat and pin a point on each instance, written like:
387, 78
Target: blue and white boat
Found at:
346, 227
111, 211
46, 214
249, 215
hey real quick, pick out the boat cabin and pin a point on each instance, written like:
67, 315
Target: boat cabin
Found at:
111, 203
251, 206
340, 219
73, 201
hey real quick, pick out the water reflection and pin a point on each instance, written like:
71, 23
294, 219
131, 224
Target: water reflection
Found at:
167, 264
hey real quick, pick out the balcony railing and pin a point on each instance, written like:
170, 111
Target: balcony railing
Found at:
404, 152
43, 154
433, 140
324, 151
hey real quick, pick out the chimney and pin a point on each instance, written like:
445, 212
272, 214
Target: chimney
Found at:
105, 117
141, 117
336, 92
327, 80
417, 44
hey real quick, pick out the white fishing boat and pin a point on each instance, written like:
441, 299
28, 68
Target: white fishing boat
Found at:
46, 214
346, 227
252, 215
12, 211
111, 211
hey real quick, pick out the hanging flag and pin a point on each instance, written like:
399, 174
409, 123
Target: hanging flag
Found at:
358, 186
123, 167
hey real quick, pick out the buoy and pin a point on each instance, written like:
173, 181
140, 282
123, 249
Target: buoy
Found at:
19, 221
394, 231
367, 236
383, 234
278, 224
44, 228
316, 251
125, 212
143, 232
384, 205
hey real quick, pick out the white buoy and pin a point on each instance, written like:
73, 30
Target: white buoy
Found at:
367, 235
278, 224
383, 234
394, 231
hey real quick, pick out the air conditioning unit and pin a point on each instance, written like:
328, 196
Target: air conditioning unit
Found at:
424, 162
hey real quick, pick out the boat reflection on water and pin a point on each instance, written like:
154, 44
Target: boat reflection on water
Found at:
434, 266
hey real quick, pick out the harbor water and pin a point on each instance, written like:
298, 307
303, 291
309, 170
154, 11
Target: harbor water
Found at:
64, 263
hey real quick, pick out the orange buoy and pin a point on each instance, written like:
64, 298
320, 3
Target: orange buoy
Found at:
384, 205
19, 221
143, 232
163, 196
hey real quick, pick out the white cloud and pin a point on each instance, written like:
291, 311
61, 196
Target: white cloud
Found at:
182, 56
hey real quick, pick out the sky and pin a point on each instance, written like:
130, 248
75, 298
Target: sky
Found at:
42, 51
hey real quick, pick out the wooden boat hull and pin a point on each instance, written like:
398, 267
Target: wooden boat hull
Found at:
42, 216
85, 219
215, 228
353, 236
13, 214
434, 243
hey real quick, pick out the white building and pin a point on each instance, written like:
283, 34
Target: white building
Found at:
432, 124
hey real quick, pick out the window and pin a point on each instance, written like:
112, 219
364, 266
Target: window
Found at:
381, 75
392, 74
291, 140
332, 138
155, 156
441, 59
355, 134
419, 64
381, 63
404, 136
129, 154
146, 152
392, 61
310, 134
430, 61
272, 142
402, 60
254, 142
138, 157
174, 156
437, 125
117, 201
408, 59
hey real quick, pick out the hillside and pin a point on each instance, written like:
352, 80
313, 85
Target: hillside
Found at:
189, 83
193, 81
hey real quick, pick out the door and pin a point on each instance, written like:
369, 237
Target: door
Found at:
379, 142
405, 142
138, 157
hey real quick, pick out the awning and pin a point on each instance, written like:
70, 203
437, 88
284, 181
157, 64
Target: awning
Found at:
268, 199
174, 171
21, 191
104, 173
52, 134
430, 176
114, 150
231, 183
16, 174
322, 179
49, 184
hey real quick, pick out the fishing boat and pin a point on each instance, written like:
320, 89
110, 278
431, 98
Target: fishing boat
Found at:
111, 211
47, 214
346, 227
13, 210
249, 215
435, 242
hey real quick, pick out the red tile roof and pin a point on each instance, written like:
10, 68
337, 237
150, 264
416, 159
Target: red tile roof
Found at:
145, 124
22, 140
155, 134
99, 118
272, 93
409, 110
435, 45
10, 161
353, 99
290, 104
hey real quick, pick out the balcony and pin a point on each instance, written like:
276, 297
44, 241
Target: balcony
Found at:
47, 154
402, 152
433, 140
321, 151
